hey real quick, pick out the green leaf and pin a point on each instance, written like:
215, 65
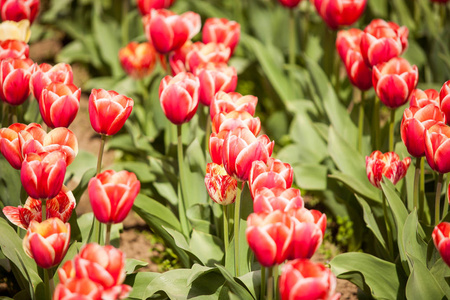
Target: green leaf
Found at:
310, 176
234, 286
82, 163
371, 222
10, 184
139, 281
413, 242
357, 185
195, 157
421, 283
199, 216
139, 168
252, 281
132, 265
378, 278
84, 182
207, 247
441, 273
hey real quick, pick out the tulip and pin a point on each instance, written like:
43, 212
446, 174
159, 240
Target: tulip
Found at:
394, 81
241, 148
201, 55
348, 39
423, 113
15, 80
78, 288
108, 111
269, 235
267, 200
177, 58
138, 60
272, 174
60, 207
304, 279
179, 97
382, 41
358, 73
42, 175
227, 122
47, 242
309, 230
227, 102
59, 104
46, 74
388, 164
168, 31
145, 6
222, 31
437, 150
338, 13
13, 49
441, 239
444, 100
220, 186
215, 78
10, 30
17, 10
289, 3
112, 195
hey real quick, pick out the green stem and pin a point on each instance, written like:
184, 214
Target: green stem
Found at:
360, 121
144, 91
376, 122
270, 284
275, 280
437, 199
422, 188
125, 6
51, 283
263, 282
292, 49
388, 228
100, 153
207, 134
237, 216
183, 196
108, 234
416, 184
447, 181
225, 229
391, 130
44, 209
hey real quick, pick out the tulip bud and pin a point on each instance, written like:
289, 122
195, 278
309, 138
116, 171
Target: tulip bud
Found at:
46, 74
338, 13
17, 10
14, 49
267, 200
47, 242
272, 174
437, 150
388, 164
138, 60
441, 239
358, 72
9, 143
227, 102
220, 186
15, 80
222, 31
145, 6
215, 78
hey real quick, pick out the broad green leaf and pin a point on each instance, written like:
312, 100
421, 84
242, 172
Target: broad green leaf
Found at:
207, 247
234, 286
199, 270
413, 242
252, 281
139, 168
310, 176
183, 244
132, 265
195, 157
441, 273
75, 51
357, 185
10, 184
200, 216
311, 146
421, 283
84, 182
371, 222
82, 163
139, 281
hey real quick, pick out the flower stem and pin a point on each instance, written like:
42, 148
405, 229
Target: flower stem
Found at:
207, 134
43, 209
144, 91
270, 280
49, 285
100, 153
388, 228
237, 216
225, 229
263, 281
447, 182
422, 188
183, 197
376, 122
275, 280
360, 121
416, 184
291, 45
391, 130
108, 234
437, 199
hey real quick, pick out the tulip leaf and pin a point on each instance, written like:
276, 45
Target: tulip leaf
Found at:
413, 239
139, 281
310, 176
141, 169
200, 217
356, 185
252, 281
10, 184
441, 273
180, 241
207, 247
195, 157
132, 265
235, 286
376, 277
84, 182
82, 163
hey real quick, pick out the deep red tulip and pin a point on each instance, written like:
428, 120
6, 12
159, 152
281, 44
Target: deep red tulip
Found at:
202, 54
441, 239
222, 31
138, 60
60, 207
269, 235
42, 175
227, 102
241, 148
179, 97
272, 174
79, 289
47, 242
108, 111
221, 187
14, 49
289, 3
46, 74
59, 104
348, 39
382, 41
388, 164
214, 78
309, 230
394, 81
267, 200
15, 80
177, 58
423, 113
444, 100
17, 10
304, 279
168, 31
338, 13
359, 74
437, 147
112, 195
145, 6
235, 119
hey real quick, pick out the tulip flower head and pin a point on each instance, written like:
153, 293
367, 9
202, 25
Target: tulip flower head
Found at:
388, 165
17, 10
441, 239
234, 119
338, 13
437, 149
222, 31
10, 30
138, 60
359, 74
108, 111
444, 100
177, 58
289, 3
145, 6
267, 200
214, 78
201, 55
221, 187
46, 74
78, 288
15, 80
14, 49
47, 242
227, 102
346, 40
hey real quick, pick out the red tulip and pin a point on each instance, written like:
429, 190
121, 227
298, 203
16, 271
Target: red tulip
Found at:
47, 242
17, 10
444, 100
46, 74
235, 119
241, 148
289, 3
358, 73
201, 55
60, 207
215, 78
272, 174
108, 111
13, 49
309, 230
79, 289
179, 97
267, 200
177, 58
269, 235
138, 60
394, 81
112, 195
382, 41
441, 239
15, 80
220, 186
437, 150
42, 175
222, 31
338, 13
227, 102
348, 39
168, 31
423, 113
145, 6
388, 164
59, 104
304, 279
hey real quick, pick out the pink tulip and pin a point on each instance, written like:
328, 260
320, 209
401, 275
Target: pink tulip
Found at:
177, 58
15, 80
359, 74
215, 78
227, 102
272, 174
79, 289
388, 164
444, 100
222, 31
46, 74
138, 60
437, 147
13, 49
17, 10
346, 40
220, 186
441, 239
338, 13
145, 6
267, 200
235, 119
201, 55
